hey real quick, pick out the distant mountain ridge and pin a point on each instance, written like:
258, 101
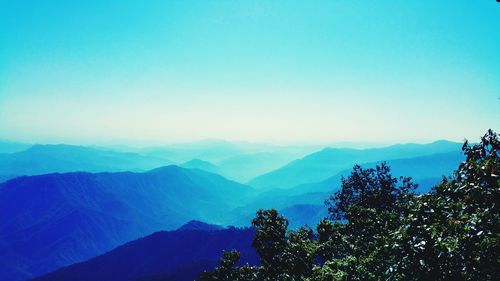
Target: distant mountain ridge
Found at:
238, 161
424, 170
12, 146
330, 161
245, 167
44, 159
428, 169
242, 167
202, 165
215, 151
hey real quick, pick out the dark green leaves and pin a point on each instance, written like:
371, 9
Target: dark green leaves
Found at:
380, 230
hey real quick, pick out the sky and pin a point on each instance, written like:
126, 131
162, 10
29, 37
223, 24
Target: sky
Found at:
94, 71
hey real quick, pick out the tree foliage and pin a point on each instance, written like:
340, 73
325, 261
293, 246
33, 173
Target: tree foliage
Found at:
380, 229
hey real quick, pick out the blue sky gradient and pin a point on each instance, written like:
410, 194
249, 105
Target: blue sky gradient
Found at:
273, 71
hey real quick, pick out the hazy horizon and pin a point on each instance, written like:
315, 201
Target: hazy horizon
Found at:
124, 72
139, 145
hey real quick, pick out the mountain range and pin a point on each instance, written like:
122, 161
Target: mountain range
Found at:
54, 220
426, 171
330, 161
234, 160
68, 203
44, 159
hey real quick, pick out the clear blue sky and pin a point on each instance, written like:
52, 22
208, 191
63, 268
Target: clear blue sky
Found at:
276, 71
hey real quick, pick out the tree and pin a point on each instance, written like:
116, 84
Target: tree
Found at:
453, 232
228, 271
379, 229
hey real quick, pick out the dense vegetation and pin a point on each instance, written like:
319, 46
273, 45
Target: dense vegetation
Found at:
380, 229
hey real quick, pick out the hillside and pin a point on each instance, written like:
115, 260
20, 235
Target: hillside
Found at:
199, 225
202, 165
11, 146
245, 167
44, 159
425, 170
168, 255
216, 151
44, 219
330, 161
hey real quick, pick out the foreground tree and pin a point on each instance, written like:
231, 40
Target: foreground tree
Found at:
453, 232
379, 229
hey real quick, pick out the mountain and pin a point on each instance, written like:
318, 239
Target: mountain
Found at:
202, 165
330, 161
426, 171
6, 177
216, 151
304, 214
199, 225
208, 150
11, 147
240, 161
53, 220
44, 159
169, 255
245, 167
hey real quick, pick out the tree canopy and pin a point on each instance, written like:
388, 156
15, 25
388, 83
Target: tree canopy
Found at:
379, 229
